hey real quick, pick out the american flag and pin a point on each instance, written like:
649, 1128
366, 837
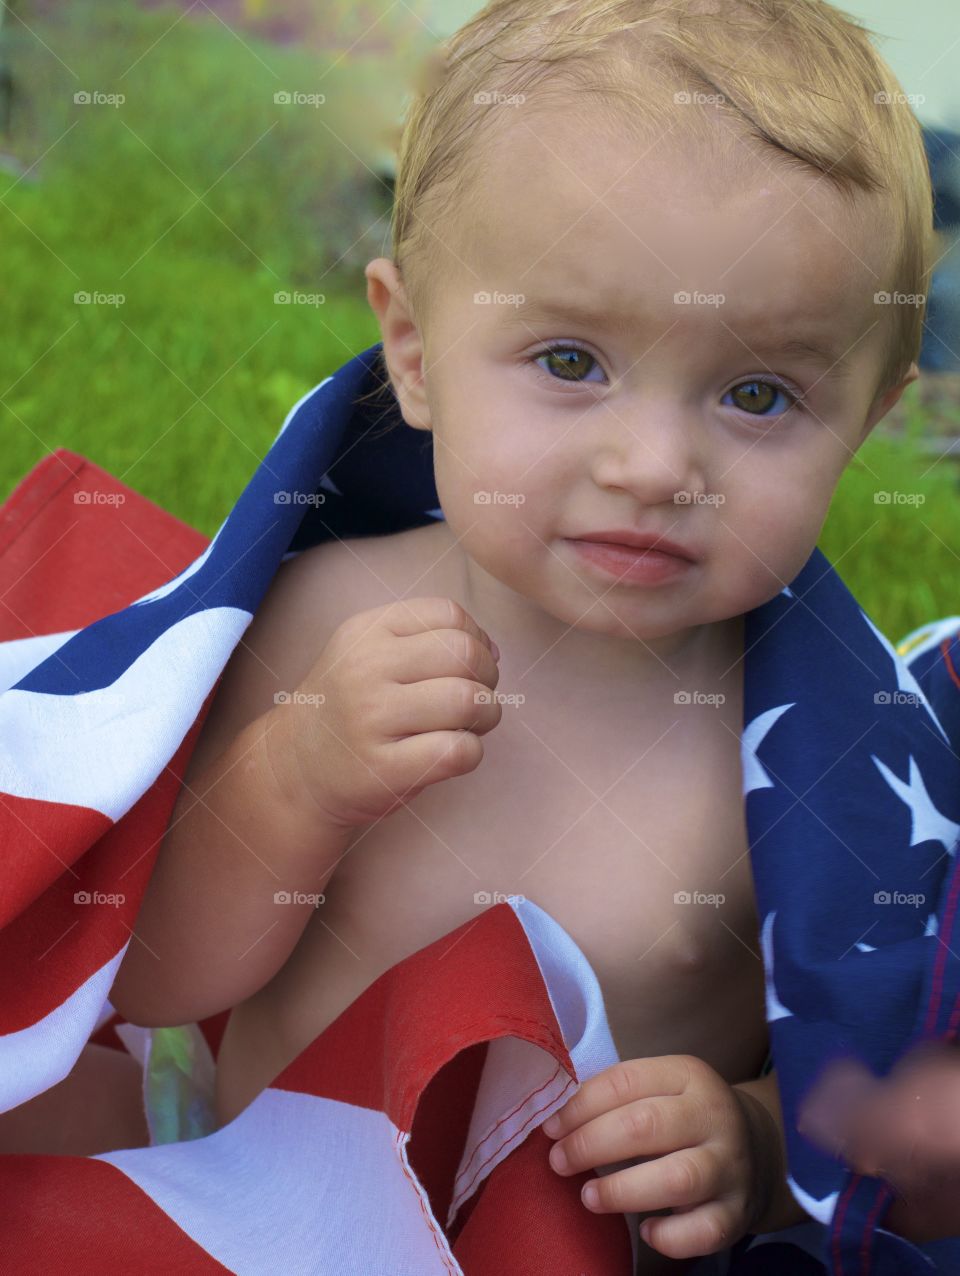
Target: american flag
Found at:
405, 1138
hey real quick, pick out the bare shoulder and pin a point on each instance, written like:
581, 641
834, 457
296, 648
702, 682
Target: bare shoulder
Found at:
309, 597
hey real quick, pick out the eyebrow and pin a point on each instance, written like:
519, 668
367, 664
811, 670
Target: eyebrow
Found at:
835, 366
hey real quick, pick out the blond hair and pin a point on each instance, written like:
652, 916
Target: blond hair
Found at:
799, 76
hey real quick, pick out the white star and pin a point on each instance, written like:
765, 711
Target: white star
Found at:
926, 822
821, 1210
932, 926
754, 776
437, 513
905, 679
328, 485
775, 1007
866, 948
787, 592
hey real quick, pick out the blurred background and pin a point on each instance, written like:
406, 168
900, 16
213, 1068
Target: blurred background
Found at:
190, 190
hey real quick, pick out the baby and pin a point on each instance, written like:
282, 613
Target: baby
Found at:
633, 294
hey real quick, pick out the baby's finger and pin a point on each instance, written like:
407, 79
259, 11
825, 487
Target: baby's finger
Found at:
706, 1229
649, 1127
616, 1086
691, 1176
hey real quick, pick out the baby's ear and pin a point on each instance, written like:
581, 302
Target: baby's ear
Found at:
402, 344
884, 402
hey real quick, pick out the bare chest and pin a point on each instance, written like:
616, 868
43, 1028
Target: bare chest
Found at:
638, 850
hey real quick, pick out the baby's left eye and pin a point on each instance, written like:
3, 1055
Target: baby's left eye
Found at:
754, 397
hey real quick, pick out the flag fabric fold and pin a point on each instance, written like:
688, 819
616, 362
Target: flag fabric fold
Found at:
385, 1147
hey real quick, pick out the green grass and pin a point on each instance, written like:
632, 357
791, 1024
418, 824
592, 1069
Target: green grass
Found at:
180, 391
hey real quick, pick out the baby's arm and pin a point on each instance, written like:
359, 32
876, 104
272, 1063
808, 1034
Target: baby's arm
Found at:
388, 705
782, 1208
209, 934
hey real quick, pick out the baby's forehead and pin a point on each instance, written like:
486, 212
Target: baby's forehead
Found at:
567, 199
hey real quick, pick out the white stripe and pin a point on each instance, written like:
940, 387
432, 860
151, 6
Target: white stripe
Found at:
577, 1002
935, 634
103, 749
297, 1183
37, 1057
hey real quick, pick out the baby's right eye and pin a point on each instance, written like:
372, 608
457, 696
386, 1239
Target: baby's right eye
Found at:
568, 367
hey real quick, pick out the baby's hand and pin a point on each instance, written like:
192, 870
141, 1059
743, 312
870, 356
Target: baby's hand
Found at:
397, 700
691, 1141
904, 1129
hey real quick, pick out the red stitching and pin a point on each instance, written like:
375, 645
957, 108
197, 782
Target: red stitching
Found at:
533, 1117
506, 1116
427, 1214
945, 653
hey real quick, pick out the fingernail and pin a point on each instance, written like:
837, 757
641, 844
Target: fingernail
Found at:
591, 1195
558, 1158
551, 1126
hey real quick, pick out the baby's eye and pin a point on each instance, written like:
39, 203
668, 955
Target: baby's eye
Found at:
565, 362
755, 397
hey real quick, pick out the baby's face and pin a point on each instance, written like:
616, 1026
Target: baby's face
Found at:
658, 414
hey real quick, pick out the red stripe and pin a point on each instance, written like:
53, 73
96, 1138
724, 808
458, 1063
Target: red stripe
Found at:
529, 1221
72, 1214
55, 944
475, 984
